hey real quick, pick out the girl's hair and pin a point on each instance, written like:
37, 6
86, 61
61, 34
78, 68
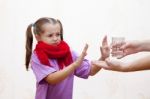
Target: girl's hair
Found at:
37, 28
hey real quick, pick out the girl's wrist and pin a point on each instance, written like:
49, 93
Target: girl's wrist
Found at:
75, 64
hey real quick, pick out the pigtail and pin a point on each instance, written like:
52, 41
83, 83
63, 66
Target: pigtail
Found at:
61, 29
29, 41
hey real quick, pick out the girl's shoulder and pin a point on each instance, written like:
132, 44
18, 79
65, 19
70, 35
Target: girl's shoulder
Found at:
34, 56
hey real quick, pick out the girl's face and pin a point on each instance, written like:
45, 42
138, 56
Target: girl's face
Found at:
51, 35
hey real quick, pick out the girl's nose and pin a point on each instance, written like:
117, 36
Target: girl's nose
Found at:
55, 38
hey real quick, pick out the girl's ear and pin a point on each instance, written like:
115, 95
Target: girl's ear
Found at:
37, 37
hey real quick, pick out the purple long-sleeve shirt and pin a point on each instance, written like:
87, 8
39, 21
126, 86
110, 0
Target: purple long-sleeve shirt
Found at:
62, 90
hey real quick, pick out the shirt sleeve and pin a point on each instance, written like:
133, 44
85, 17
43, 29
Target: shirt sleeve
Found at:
82, 71
40, 70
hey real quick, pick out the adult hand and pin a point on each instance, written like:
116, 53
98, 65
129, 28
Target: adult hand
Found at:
128, 48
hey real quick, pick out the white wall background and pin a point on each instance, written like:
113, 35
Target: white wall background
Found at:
85, 21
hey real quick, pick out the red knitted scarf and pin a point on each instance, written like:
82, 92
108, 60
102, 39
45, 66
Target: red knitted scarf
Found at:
61, 53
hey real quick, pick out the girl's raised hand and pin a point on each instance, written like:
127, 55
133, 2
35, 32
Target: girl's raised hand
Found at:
105, 49
81, 57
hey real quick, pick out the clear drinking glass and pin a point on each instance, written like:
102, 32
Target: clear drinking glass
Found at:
116, 51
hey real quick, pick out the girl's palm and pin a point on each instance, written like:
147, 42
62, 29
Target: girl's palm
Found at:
105, 49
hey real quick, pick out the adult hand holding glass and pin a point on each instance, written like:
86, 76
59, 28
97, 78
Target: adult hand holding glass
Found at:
131, 47
128, 48
117, 43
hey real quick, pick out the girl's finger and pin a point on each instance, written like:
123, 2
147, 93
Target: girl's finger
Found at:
104, 42
85, 49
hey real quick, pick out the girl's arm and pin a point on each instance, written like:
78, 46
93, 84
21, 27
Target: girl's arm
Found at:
95, 68
58, 76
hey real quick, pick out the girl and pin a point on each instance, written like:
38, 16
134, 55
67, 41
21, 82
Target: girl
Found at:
52, 61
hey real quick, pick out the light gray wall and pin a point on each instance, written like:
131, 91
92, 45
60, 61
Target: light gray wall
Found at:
85, 21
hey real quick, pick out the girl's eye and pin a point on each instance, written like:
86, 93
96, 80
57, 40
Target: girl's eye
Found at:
50, 35
58, 34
